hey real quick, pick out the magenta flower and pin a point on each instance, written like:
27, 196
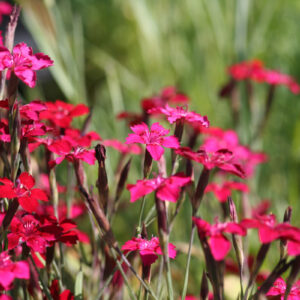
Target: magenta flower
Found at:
123, 148
154, 139
148, 249
180, 113
255, 70
10, 270
27, 195
223, 191
279, 288
218, 243
23, 63
221, 158
167, 189
269, 230
5, 9
61, 114
168, 95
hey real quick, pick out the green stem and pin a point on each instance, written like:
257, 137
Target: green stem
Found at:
186, 276
139, 228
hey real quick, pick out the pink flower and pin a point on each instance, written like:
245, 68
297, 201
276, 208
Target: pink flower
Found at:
168, 95
218, 243
279, 287
154, 139
10, 270
223, 191
228, 139
269, 230
167, 189
27, 195
61, 114
123, 148
5, 9
23, 63
255, 70
221, 158
148, 249
180, 113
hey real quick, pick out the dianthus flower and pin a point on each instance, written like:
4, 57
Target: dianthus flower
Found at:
23, 62
148, 249
255, 70
168, 95
218, 243
5, 9
279, 288
221, 158
154, 139
123, 148
228, 139
223, 191
269, 230
57, 295
61, 114
180, 113
25, 193
167, 189
10, 270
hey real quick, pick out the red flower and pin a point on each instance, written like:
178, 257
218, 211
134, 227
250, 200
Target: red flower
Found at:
23, 63
279, 287
228, 139
167, 189
221, 158
168, 95
10, 270
5, 9
154, 139
123, 148
61, 114
180, 113
55, 292
148, 249
255, 70
218, 243
223, 191
27, 195
269, 230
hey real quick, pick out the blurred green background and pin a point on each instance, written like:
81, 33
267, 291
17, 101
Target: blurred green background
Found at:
110, 54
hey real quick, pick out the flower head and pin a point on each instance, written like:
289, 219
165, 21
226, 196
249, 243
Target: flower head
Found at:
148, 249
167, 189
154, 139
10, 270
223, 191
23, 62
218, 243
279, 288
23, 190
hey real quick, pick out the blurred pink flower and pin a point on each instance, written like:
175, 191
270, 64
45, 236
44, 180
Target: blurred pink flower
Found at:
279, 287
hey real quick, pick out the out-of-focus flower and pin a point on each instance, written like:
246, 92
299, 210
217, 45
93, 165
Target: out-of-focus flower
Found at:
5, 9
61, 114
221, 158
123, 148
218, 243
180, 113
255, 70
167, 189
279, 288
57, 295
27, 195
10, 270
223, 191
148, 249
154, 139
23, 62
